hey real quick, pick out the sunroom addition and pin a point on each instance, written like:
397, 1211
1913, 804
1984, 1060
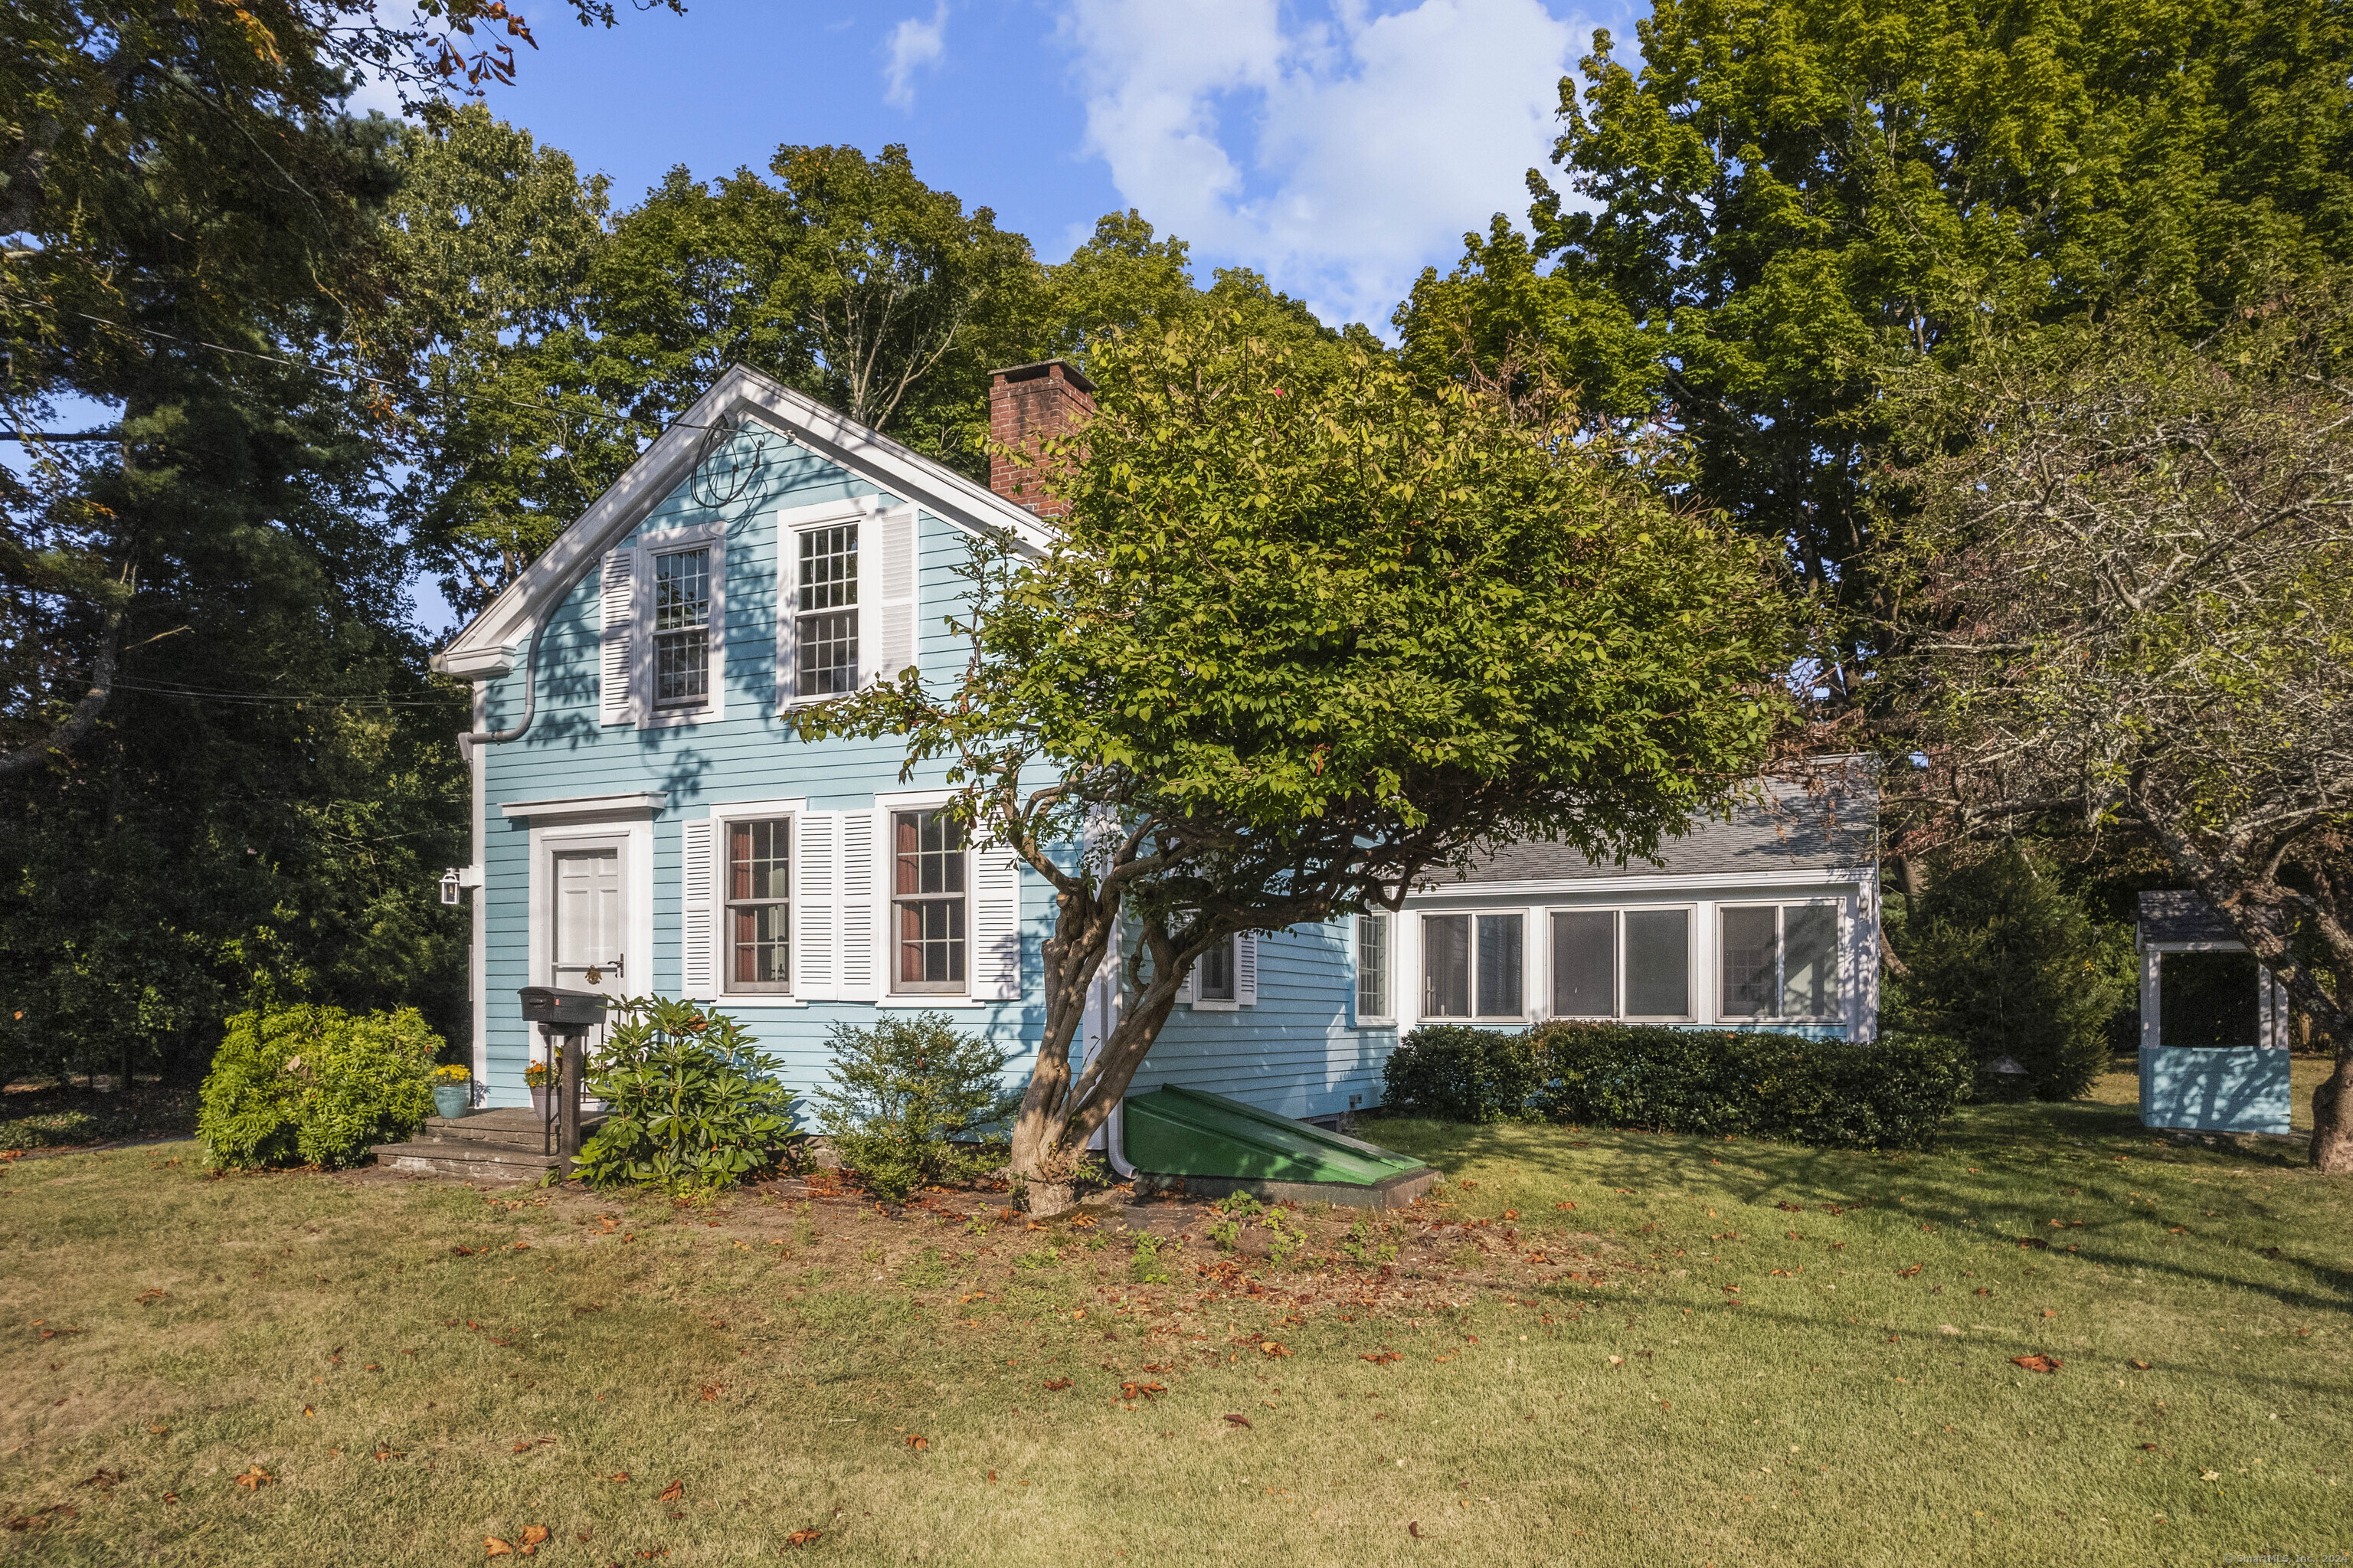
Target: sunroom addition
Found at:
2213, 1023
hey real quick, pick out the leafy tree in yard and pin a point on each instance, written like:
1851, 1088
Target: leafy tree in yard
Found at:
1783, 196
2132, 596
1308, 632
905, 1092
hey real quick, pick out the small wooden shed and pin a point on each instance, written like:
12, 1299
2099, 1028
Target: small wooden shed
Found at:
2222, 1070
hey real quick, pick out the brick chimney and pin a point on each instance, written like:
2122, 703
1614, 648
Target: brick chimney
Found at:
1027, 402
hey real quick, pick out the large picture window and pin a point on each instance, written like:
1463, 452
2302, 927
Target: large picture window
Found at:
759, 911
1471, 965
1780, 961
682, 629
825, 611
1621, 963
927, 902
1372, 966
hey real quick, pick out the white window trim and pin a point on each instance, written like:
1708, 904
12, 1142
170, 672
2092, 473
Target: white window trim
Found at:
1421, 989
701, 536
1842, 963
1387, 1018
721, 814
886, 938
1695, 971
635, 840
791, 523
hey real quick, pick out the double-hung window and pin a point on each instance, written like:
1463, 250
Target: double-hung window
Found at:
682, 629
759, 910
1781, 961
825, 610
1215, 977
1621, 963
927, 902
1372, 966
1470, 966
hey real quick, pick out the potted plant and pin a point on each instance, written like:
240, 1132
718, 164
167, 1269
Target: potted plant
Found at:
453, 1089
538, 1076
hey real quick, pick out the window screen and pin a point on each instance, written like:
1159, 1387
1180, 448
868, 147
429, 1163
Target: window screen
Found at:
1585, 963
1446, 966
1372, 966
1500, 992
1808, 960
1215, 978
1658, 963
1749, 961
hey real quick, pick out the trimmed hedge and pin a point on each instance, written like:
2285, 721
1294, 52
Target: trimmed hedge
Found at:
1893, 1093
316, 1085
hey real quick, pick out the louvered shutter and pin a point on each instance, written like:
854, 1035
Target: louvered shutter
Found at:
1246, 969
860, 973
617, 610
698, 910
817, 907
1190, 988
996, 924
889, 592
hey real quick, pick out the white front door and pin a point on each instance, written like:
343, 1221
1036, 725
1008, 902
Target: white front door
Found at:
591, 923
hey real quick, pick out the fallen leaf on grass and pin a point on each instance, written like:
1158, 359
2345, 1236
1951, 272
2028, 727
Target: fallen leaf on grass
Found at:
532, 1534
1383, 1356
672, 1492
1908, 1273
618, 1477
917, 1441
713, 1390
1564, 1205
254, 1478
494, 1547
1058, 1385
171, 1497
1413, 1528
1141, 1390
803, 1537
2038, 1364
1242, 1421
1274, 1350
2149, 1448
159, 1431
2139, 1365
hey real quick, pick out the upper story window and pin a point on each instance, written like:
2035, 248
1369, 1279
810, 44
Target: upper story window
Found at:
682, 627
928, 914
1621, 963
759, 907
825, 610
1780, 961
1470, 966
1372, 966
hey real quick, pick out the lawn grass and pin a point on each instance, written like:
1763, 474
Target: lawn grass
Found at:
1728, 1352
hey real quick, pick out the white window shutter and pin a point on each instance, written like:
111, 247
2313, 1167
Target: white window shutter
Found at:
888, 592
995, 925
616, 609
1190, 988
860, 960
817, 907
1246, 969
698, 910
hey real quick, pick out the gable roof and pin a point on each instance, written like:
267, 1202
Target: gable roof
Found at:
741, 394
1789, 828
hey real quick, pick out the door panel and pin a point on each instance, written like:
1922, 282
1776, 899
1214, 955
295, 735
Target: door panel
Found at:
591, 923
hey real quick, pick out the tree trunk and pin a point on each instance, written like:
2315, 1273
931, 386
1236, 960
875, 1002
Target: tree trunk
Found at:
2332, 1116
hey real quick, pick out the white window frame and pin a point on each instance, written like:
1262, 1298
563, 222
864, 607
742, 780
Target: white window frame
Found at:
888, 941
790, 810
1246, 953
1421, 973
1695, 948
1840, 967
1388, 1015
711, 536
977, 851
881, 603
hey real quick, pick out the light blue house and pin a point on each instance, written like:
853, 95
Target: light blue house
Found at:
646, 820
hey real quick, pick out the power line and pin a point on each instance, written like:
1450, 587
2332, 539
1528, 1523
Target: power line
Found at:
267, 698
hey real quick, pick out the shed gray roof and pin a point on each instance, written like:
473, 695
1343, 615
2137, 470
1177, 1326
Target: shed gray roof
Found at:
1790, 829
2181, 916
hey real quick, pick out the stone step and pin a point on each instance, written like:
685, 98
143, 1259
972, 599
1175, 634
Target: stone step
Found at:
513, 1127
465, 1161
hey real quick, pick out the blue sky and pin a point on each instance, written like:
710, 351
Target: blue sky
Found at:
1337, 146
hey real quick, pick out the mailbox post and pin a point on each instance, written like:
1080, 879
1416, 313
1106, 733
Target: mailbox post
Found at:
565, 1018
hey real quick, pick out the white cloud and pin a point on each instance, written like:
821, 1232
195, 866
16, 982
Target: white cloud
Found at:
912, 46
1338, 157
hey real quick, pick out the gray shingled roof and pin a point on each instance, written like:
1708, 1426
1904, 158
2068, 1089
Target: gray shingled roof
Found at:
2181, 916
1790, 829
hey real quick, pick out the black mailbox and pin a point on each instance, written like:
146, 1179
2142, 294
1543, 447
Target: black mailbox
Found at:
560, 1009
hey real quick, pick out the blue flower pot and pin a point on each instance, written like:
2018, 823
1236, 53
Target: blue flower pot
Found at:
452, 1099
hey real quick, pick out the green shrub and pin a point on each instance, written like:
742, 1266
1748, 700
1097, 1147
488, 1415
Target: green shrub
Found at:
905, 1091
2005, 963
316, 1085
690, 1103
1456, 1071
1893, 1093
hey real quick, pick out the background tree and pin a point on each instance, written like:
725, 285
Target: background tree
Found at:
2132, 596
1788, 193
1308, 632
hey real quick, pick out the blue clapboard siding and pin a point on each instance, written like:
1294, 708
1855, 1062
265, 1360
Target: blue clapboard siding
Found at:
1294, 1051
